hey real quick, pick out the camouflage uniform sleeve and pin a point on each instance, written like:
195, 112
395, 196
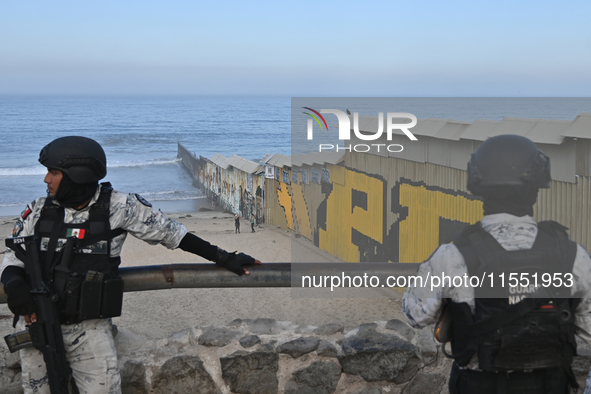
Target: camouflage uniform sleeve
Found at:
136, 216
420, 305
24, 226
423, 300
582, 277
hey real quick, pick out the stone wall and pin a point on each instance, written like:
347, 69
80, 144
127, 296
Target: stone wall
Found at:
266, 356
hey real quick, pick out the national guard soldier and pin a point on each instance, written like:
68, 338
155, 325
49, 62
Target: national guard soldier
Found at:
99, 219
508, 339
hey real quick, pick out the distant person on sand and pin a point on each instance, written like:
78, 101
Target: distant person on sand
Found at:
237, 223
94, 220
252, 221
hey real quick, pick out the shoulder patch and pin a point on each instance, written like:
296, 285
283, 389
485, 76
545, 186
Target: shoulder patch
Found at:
143, 200
26, 213
18, 227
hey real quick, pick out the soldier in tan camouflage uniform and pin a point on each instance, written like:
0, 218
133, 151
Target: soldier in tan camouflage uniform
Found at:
75, 165
528, 350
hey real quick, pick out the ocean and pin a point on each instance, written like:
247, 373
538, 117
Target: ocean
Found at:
140, 134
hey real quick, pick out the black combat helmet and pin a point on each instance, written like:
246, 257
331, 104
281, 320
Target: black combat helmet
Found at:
508, 161
81, 158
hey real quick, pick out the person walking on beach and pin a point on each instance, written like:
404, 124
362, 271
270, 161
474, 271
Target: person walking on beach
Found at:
96, 220
252, 222
516, 338
237, 223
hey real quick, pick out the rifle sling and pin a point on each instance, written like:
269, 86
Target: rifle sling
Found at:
55, 233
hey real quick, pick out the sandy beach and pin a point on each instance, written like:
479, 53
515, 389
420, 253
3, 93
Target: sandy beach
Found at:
158, 314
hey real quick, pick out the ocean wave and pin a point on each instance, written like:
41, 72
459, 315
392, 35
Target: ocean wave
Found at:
155, 196
174, 195
14, 204
174, 198
143, 163
23, 171
40, 170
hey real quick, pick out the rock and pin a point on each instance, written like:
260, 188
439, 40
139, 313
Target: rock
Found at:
263, 326
133, 378
375, 356
362, 329
373, 341
12, 360
7, 376
425, 383
326, 349
239, 322
252, 373
329, 329
183, 374
427, 346
370, 390
401, 328
304, 329
183, 338
267, 348
299, 346
320, 377
249, 341
217, 336
409, 371
12, 388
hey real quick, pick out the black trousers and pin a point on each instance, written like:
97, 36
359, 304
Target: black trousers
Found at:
545, 381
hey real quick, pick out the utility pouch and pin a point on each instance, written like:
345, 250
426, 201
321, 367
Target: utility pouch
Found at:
72, 295
112, 300
97, 298
90, 296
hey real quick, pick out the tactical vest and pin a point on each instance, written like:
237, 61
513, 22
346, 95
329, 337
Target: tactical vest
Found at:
88, 285
516, 334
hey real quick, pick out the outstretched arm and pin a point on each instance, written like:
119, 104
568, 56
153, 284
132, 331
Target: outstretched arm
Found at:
231, 261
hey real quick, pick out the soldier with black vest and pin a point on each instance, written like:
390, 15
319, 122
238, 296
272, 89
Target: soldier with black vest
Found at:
93, 221
508, 339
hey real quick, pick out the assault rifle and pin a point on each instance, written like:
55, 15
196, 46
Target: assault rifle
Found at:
46, 332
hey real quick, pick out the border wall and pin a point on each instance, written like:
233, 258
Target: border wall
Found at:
400, 206
235, 189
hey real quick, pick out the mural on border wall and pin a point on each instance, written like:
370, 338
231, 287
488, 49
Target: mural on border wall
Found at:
284, 199
369, 220
351, 214
356, 214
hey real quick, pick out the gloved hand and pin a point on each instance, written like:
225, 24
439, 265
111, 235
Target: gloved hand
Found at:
234, 262
19, 298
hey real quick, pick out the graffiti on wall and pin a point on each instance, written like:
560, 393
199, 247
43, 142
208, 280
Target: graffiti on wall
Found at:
367, 219
234, 190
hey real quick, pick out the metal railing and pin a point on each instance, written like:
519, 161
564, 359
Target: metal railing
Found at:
183, 276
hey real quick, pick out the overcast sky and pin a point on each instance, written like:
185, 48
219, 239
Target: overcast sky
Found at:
326, 48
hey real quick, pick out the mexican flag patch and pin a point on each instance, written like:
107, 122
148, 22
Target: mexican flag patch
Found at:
75, 232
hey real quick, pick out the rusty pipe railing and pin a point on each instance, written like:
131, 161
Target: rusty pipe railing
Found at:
182, 276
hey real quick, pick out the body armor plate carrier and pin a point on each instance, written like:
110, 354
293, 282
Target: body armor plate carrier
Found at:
77, 260
509, 333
